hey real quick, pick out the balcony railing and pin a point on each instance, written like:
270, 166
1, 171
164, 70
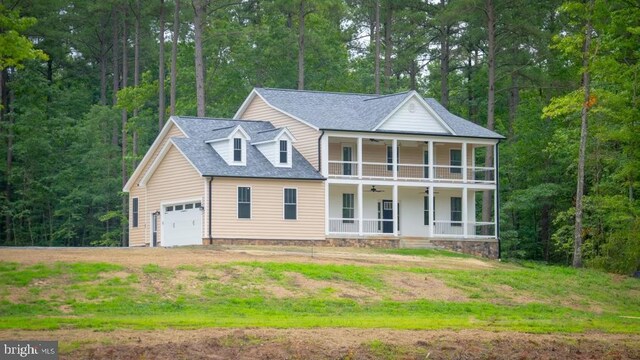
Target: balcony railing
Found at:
376, 170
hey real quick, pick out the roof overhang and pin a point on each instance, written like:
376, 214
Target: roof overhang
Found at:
255, 93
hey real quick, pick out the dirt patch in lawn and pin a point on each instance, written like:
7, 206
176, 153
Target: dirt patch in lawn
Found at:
347, 290
205, 255
408, 286
332, 344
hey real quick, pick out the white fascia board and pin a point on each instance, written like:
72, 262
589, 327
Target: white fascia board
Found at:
444, 138
152, 149
413, 94
241, 130
245, 104
154, 166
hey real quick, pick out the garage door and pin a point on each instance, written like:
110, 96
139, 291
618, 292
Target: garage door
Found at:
182, 224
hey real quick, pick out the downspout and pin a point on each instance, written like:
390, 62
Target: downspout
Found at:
320, 151
498, 200
210, 211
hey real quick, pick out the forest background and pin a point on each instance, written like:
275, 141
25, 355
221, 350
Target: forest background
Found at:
86, 85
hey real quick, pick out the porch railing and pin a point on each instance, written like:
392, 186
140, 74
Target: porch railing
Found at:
448, 228
411, 171
482, 229
343, 168
343, 226
377, 226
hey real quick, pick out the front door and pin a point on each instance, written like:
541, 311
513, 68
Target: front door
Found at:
154, 229
387, 216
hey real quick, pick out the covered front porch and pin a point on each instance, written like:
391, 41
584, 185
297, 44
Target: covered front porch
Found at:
410, 211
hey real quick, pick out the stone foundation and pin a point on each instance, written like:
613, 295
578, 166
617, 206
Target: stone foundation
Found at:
483, 248
385, 243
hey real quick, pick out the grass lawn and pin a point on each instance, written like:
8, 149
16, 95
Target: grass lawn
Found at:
297, 293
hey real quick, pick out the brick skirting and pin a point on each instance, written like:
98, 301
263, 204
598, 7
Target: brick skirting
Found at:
386, 243
483, 248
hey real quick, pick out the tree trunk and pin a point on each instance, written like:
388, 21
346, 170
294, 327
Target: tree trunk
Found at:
377, 49
388, 48
114, 52
444, 60
200, 12
514, 100
301, 17
103, 76
586, 105
545, 230
174, 57
136, 79
413, 73
161, 74
125, 73
487, 198
5, 120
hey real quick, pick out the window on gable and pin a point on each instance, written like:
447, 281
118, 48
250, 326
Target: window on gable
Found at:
134, 212
284, 152
244, 203
290, 204
237, 149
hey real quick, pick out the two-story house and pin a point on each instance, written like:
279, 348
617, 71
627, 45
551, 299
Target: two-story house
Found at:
307, 167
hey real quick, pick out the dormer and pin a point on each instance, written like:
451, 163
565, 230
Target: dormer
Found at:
231, 144
276, 145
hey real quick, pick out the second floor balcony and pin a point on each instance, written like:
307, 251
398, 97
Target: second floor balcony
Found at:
370, 158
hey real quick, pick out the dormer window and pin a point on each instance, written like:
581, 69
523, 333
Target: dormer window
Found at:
284, 151
237, 150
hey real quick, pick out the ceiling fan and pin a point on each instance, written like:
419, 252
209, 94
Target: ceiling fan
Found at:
374, 190
426, 191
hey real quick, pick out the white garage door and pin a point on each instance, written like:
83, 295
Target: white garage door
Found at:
182, 224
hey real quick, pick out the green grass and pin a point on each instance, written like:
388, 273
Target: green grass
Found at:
94, 295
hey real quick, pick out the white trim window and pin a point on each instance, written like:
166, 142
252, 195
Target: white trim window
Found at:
456, 211
244, 202
348, 208
290, 204
284, 152
455, 161
237, 150
134, 212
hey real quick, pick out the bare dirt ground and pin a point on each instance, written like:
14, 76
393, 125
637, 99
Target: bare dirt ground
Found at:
173, 257
332, 344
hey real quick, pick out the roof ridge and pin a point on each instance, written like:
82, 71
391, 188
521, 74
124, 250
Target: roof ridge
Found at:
219, 119
331, 92
388, 95
224, 128
264, 131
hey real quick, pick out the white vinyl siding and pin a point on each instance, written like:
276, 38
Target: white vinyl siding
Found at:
413, 116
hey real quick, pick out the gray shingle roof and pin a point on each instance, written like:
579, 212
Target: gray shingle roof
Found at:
265, 135
209, 163
358, 112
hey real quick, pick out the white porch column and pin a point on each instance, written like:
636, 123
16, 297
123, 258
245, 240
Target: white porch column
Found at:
465, 215
326, 208
431, 157
360, 210
464, 162
431, 209
395, 208
359, 149
496, 215
324, 156
394, 152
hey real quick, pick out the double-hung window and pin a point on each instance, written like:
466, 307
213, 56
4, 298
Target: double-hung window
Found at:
244, 203
456, 211
237, 149
455, 161
290, 204
284, 151
348, 209
134, 212
426, 211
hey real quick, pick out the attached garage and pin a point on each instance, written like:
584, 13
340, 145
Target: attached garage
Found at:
182, 224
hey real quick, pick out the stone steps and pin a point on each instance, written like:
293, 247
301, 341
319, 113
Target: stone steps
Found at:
416, 244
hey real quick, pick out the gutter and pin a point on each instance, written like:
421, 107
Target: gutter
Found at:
417, 134
210, 211
497, 161
320, 152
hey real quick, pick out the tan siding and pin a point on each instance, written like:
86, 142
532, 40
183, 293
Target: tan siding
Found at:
267, 219
306, 137
174, 180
